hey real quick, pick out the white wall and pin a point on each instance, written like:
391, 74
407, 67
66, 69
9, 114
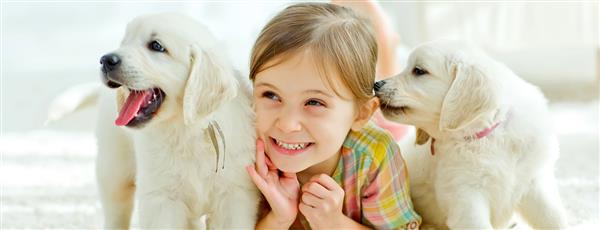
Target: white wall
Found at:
544, 42
47, 47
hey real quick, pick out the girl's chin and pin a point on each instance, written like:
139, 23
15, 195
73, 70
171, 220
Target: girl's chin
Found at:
292, 170
288, 166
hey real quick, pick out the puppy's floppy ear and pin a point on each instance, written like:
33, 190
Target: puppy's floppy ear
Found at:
472, 97
422, 137
209, 85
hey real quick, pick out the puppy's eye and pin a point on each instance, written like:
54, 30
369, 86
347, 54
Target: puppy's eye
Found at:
156, 46
418, 71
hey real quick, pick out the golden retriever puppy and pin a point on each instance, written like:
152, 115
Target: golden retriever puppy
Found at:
177, 131
492, 149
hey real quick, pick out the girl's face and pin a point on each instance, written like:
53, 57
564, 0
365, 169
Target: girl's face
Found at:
301, 119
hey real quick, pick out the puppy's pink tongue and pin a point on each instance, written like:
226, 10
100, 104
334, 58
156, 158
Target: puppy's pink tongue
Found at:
132, 106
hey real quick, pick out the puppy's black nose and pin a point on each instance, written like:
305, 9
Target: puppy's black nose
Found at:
109, 62
378, 85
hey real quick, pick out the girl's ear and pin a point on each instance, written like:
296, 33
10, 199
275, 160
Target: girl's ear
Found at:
364, 113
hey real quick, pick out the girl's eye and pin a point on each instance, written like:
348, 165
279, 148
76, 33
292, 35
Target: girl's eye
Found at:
418, 71
156, 46
270, 95
314, 102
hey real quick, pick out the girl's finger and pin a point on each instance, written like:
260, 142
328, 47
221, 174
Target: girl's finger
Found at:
326, 181
272, 177
257, 179
316, 189
306, 210
310, 200
261, 166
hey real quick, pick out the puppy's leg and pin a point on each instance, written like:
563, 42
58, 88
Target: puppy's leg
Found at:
162, 211
236, 210
541, 206
468, 210
115, 172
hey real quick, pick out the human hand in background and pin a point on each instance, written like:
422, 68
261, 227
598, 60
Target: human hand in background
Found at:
388, 64
388, 39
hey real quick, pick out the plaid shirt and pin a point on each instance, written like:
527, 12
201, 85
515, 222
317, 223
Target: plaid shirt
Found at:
374, 177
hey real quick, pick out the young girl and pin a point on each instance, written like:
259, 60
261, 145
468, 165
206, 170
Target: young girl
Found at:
320, 162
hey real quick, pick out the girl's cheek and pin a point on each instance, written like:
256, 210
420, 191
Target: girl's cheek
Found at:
267, 109
263, 104
264, 116
316, 112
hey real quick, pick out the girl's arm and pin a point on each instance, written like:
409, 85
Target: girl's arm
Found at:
271, 222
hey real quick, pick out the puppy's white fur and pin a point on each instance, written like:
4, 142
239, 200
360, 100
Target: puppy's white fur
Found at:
472, 183
170, 163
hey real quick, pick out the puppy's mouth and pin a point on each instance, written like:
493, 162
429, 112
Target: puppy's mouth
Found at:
111, 84
393, 109
140, 106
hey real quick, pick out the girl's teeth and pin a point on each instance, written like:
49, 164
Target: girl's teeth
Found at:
291, 146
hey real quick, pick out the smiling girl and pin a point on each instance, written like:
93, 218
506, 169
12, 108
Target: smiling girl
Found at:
320, 162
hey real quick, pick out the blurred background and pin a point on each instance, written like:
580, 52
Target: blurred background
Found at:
47, 172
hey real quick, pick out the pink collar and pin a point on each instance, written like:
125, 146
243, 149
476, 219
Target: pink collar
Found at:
478, 135
483, 133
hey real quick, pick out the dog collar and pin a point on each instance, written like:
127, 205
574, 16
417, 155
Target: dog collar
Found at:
478, 135
213, 138
483, 133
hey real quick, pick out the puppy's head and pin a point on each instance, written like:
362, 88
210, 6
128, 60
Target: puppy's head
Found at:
166, 68
444, 89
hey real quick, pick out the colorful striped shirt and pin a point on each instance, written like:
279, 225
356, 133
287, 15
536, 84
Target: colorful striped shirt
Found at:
373, 174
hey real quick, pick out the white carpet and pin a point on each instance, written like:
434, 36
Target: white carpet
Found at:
47, 176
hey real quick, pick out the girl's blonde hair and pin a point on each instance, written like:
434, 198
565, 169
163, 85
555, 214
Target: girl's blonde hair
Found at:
336, 36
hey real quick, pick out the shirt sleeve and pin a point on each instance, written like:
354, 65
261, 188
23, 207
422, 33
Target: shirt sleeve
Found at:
386, 202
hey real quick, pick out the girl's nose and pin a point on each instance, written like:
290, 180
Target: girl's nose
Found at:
289, 121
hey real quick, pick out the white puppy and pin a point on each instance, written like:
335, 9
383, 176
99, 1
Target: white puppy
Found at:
179, 133
492, 146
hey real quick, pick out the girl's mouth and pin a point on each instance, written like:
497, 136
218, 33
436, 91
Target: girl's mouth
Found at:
289, 149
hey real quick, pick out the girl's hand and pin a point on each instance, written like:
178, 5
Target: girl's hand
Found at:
322, 201
281, 189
